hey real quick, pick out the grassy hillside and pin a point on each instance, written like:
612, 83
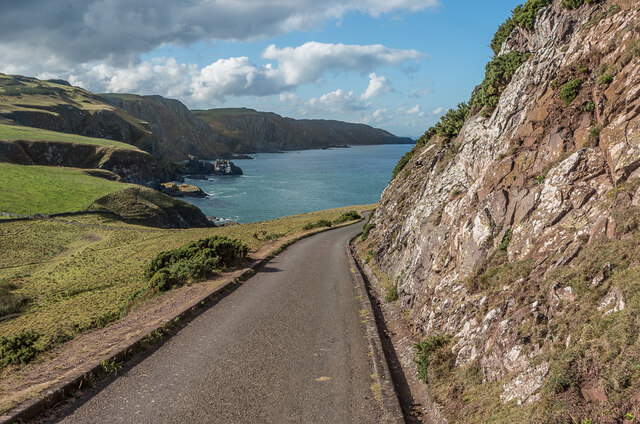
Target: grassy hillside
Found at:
18, 93
43, 189
16, 132
66, 278
55, 101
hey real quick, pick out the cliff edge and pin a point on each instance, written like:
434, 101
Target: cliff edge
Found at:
511, 230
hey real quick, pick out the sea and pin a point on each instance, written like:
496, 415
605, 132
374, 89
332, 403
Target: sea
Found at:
293, 182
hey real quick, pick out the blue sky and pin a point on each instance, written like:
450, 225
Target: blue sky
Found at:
394, 64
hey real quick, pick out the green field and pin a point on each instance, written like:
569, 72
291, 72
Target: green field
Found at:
78, 277
15, 132
46, 189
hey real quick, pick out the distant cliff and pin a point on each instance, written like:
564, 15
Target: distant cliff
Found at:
250, 131
182, 135
163, 127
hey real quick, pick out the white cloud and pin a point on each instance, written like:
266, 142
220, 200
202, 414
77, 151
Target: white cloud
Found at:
377, 86
414, 94
335, 102
378, 116
308, 62
291, 99
63, 34
437, 111
239, 76
235, 76
161, 75
415, 110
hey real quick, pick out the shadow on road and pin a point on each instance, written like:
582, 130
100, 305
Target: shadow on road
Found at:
407, 402
268, 269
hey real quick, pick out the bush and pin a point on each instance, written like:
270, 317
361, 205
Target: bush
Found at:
451, 122
505, 241
317, 224
525, 16
589, 106
366, 229
605, 79
503, 32
162, 281
449, 125
430, 352
196, 260
594, 135
498, 74
11, 303
348, 216
402, 162
392, 294
574, 4
570, 91
19, 349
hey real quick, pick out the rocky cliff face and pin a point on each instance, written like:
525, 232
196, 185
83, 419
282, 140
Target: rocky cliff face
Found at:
516, 242
249, 131
182, 135
132, 165
163, 127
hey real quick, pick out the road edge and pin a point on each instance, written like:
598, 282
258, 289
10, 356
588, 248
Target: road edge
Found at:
35, 407
388, 396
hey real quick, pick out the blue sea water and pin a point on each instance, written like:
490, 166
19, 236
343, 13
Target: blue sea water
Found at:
280, 184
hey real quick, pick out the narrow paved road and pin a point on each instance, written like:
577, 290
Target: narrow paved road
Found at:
288, 346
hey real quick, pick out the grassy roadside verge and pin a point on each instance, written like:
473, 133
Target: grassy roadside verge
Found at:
76, 278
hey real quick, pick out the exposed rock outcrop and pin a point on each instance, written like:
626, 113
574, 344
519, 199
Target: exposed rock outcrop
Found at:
195, 167
505, 238
131, 165
226, 167
182, 190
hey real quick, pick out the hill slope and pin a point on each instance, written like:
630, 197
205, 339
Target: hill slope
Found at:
163, 127
512, 237
182, 134
56, 106
250, 131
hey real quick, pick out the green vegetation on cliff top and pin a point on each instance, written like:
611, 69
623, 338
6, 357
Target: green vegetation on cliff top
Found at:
497, 76
16, 132
46, 189
523, 16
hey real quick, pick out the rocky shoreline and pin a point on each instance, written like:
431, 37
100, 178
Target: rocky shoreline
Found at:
196, 169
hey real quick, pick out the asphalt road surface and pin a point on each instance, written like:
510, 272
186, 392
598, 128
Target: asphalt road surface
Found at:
288, 346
